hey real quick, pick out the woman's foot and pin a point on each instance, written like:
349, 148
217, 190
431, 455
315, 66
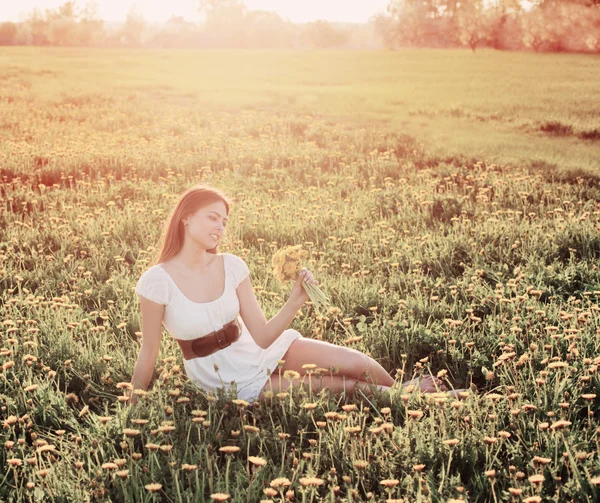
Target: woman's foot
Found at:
427, 384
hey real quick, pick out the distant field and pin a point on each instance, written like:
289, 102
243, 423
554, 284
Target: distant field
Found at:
527, 109
450, 204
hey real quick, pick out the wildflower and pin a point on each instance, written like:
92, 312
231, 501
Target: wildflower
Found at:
251, 429
123, 474
15, 462
257, 460
240, 402
9, 421
280, 482
451, 442
557, 425
541, 461
536, 479
287, 264
557, 365
229, 449
290, 375
220, 496
130, 432
389, 482
153, 487
311, 481
360, 464
109, 466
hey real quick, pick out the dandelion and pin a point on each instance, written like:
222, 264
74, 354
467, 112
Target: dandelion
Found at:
287, 263
557, 425
541, 461
153, 487
122, 474
389, 482
290, 375
280, 482
257, 460
130, 432
229, 449
220, 496
311, 481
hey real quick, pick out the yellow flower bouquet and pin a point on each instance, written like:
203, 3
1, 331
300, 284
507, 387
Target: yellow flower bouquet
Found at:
287, 263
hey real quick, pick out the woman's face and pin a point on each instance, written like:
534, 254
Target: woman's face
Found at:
207, 225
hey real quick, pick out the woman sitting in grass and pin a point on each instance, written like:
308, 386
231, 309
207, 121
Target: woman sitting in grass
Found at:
200, 295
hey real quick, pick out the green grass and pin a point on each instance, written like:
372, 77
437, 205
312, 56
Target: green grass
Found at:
449, 244
489, 105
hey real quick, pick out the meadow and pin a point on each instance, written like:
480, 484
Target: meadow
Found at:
450, 203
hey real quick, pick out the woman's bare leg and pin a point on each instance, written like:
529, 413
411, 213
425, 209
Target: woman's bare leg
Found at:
350, 362
336, 384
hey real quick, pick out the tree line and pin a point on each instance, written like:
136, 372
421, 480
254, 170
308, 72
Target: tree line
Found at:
225, 24
539, 25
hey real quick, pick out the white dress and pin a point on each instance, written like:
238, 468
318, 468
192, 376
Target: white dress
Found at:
244, 361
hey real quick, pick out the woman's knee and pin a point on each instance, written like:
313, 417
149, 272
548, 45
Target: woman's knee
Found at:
335, 384
348, 361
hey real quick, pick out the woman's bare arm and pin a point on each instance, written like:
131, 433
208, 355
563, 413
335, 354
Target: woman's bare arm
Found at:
266, 332
152, 317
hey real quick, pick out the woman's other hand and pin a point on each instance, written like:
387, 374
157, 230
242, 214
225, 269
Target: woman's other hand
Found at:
298, 293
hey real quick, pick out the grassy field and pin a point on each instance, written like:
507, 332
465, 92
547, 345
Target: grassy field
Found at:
450, 205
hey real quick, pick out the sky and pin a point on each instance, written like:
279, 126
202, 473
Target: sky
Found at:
297, 11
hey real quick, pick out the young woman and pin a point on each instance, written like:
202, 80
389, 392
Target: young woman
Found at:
200, 296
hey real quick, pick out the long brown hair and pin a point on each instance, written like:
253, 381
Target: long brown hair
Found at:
191, 200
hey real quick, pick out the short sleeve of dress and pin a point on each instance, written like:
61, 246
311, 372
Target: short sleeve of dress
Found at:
154, 285
239, 269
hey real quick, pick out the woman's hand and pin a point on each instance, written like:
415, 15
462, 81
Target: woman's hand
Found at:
298, 293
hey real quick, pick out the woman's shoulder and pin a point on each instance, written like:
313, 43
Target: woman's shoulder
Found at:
154, 271
154, 285
237, 266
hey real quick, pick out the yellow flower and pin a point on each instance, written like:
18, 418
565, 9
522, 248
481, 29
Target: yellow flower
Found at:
280, 482
290, 375
311, 481
257, 461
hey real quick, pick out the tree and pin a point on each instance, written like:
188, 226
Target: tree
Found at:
324, 35
8, 33
224, 21
132, 31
